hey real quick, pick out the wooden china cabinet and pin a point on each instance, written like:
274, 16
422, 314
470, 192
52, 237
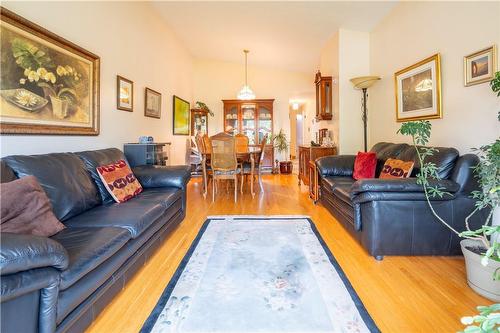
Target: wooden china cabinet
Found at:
253, 118
199, 121
323, 97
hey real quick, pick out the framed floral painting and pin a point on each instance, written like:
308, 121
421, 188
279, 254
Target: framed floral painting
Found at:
480, 66
48, 85
152, 104
418, 90
124, 94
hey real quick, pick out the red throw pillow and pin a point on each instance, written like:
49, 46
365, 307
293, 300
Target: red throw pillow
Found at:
119, 181
26, 209
365, 165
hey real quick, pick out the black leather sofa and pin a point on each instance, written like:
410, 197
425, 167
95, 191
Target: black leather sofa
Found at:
61, 283
391, 217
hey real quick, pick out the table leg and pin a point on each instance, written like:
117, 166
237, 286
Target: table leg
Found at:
204, 168
252, 172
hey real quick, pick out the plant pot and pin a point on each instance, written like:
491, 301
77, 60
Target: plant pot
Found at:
479, 277
60, 107
286, 167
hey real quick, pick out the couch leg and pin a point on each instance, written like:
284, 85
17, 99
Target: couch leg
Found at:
379, 258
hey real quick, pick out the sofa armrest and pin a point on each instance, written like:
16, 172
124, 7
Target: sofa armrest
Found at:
337, 165
162, 176
400, 185
24, 252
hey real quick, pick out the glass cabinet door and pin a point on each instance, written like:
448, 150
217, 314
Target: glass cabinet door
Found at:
231, 123
248, 122
200, 123
265, 124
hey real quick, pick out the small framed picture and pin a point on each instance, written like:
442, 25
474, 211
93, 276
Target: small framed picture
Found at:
124, 94
152, 104
418, 90
480, 67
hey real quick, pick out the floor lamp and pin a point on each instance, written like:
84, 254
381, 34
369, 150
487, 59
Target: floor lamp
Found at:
363, 83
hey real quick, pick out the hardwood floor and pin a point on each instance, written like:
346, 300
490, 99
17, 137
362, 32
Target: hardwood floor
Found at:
402, 294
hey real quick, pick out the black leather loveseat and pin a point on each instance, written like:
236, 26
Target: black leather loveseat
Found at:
391, 217
62, 283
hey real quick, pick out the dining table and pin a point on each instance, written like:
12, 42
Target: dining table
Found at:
243, 154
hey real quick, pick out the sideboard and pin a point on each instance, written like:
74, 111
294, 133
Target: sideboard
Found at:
311, 153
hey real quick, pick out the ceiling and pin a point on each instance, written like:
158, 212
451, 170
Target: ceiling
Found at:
286, 35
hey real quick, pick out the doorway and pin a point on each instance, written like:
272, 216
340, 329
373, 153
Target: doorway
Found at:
296, 129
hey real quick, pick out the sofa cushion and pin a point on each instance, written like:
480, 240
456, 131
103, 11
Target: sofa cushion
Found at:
331, 182
63, 177
94, 158
443, 158
119, 180
343, 192
135, 215
6, 173
386, 150
25, 209
88, 248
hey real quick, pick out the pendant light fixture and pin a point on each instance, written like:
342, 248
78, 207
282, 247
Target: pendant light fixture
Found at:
246, 93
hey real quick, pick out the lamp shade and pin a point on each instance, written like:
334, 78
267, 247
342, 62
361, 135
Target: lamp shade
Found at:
363, 82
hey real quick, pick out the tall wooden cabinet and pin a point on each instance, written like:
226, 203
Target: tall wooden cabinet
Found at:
323, 97
253, 118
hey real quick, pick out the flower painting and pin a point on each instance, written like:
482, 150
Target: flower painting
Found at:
47, 84
418, 90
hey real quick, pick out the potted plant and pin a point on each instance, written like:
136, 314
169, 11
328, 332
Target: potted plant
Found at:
488, 320
281, 144
478, 246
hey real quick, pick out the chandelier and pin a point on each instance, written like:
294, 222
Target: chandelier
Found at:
246, 93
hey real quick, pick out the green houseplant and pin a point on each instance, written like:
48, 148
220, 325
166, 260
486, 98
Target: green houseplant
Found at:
487, 321
282, 145
478, 245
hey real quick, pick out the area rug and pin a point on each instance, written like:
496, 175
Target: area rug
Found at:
259, 274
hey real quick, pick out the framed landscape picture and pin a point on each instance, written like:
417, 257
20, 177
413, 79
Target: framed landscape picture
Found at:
418, 90
181, 116
48, 85
124, 94
480, 67
152, 104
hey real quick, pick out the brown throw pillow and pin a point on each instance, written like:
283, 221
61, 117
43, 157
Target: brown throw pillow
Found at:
26, 209
396, 169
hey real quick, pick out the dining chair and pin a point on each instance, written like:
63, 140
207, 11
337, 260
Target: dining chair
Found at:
205, 160
224, 162
241, 142
247, 167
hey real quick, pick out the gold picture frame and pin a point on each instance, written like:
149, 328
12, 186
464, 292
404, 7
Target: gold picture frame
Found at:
418, 90
480, 66
54, 91
152, 103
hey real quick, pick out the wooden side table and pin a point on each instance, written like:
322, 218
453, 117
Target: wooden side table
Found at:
313, 182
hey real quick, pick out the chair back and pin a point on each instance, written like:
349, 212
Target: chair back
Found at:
207, 145
223, 152
199, 143
262, 148
241, 142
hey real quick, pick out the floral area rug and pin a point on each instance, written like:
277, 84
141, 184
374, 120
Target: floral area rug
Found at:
259, 274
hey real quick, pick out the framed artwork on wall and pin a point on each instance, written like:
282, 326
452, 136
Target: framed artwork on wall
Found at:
418, 90
152, 104
181, 116
124, 94
480, 66
48, 85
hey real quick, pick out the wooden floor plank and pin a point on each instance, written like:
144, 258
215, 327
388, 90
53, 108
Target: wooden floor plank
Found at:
402, 294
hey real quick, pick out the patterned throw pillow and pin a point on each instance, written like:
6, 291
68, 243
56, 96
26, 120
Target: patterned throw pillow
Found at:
119, 180
396, 169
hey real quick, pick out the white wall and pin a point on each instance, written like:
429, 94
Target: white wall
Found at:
344, 56
131, 40
416, 30
216, 80
354, 61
